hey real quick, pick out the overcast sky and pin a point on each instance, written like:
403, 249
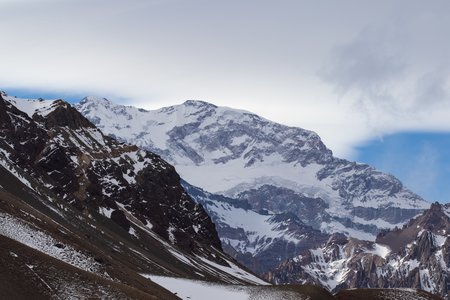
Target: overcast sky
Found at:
349, 70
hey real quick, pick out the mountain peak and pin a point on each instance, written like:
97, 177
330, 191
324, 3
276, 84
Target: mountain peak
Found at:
51, 112
198, 103
436, 207
434, 219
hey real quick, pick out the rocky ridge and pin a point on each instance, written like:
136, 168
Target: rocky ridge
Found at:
414, 256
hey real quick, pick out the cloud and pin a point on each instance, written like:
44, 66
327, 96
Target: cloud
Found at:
432, 89
365, 63
396, 73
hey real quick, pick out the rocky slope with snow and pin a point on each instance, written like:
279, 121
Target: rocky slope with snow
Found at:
257, 239
415, 256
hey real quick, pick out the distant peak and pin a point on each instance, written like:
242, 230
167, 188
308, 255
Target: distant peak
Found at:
437, 207
436, 212
433, 219
198, 103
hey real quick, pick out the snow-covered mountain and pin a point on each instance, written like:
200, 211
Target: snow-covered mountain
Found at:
415, 256
273, 191
241, 155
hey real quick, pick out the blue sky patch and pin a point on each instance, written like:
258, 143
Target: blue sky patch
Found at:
419, 159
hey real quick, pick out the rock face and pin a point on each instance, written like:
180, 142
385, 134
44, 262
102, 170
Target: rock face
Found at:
247, 166
415, 256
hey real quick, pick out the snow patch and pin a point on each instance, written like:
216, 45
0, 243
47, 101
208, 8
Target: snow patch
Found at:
170, 231
334, 226
426, 281
106, 211
188, 289
235, 271
439, 240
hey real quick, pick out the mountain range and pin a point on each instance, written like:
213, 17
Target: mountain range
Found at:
272, 197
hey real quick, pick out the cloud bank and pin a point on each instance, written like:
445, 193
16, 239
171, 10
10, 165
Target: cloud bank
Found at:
351, 70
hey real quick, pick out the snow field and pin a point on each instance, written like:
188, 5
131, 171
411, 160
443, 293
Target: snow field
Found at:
188, 289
